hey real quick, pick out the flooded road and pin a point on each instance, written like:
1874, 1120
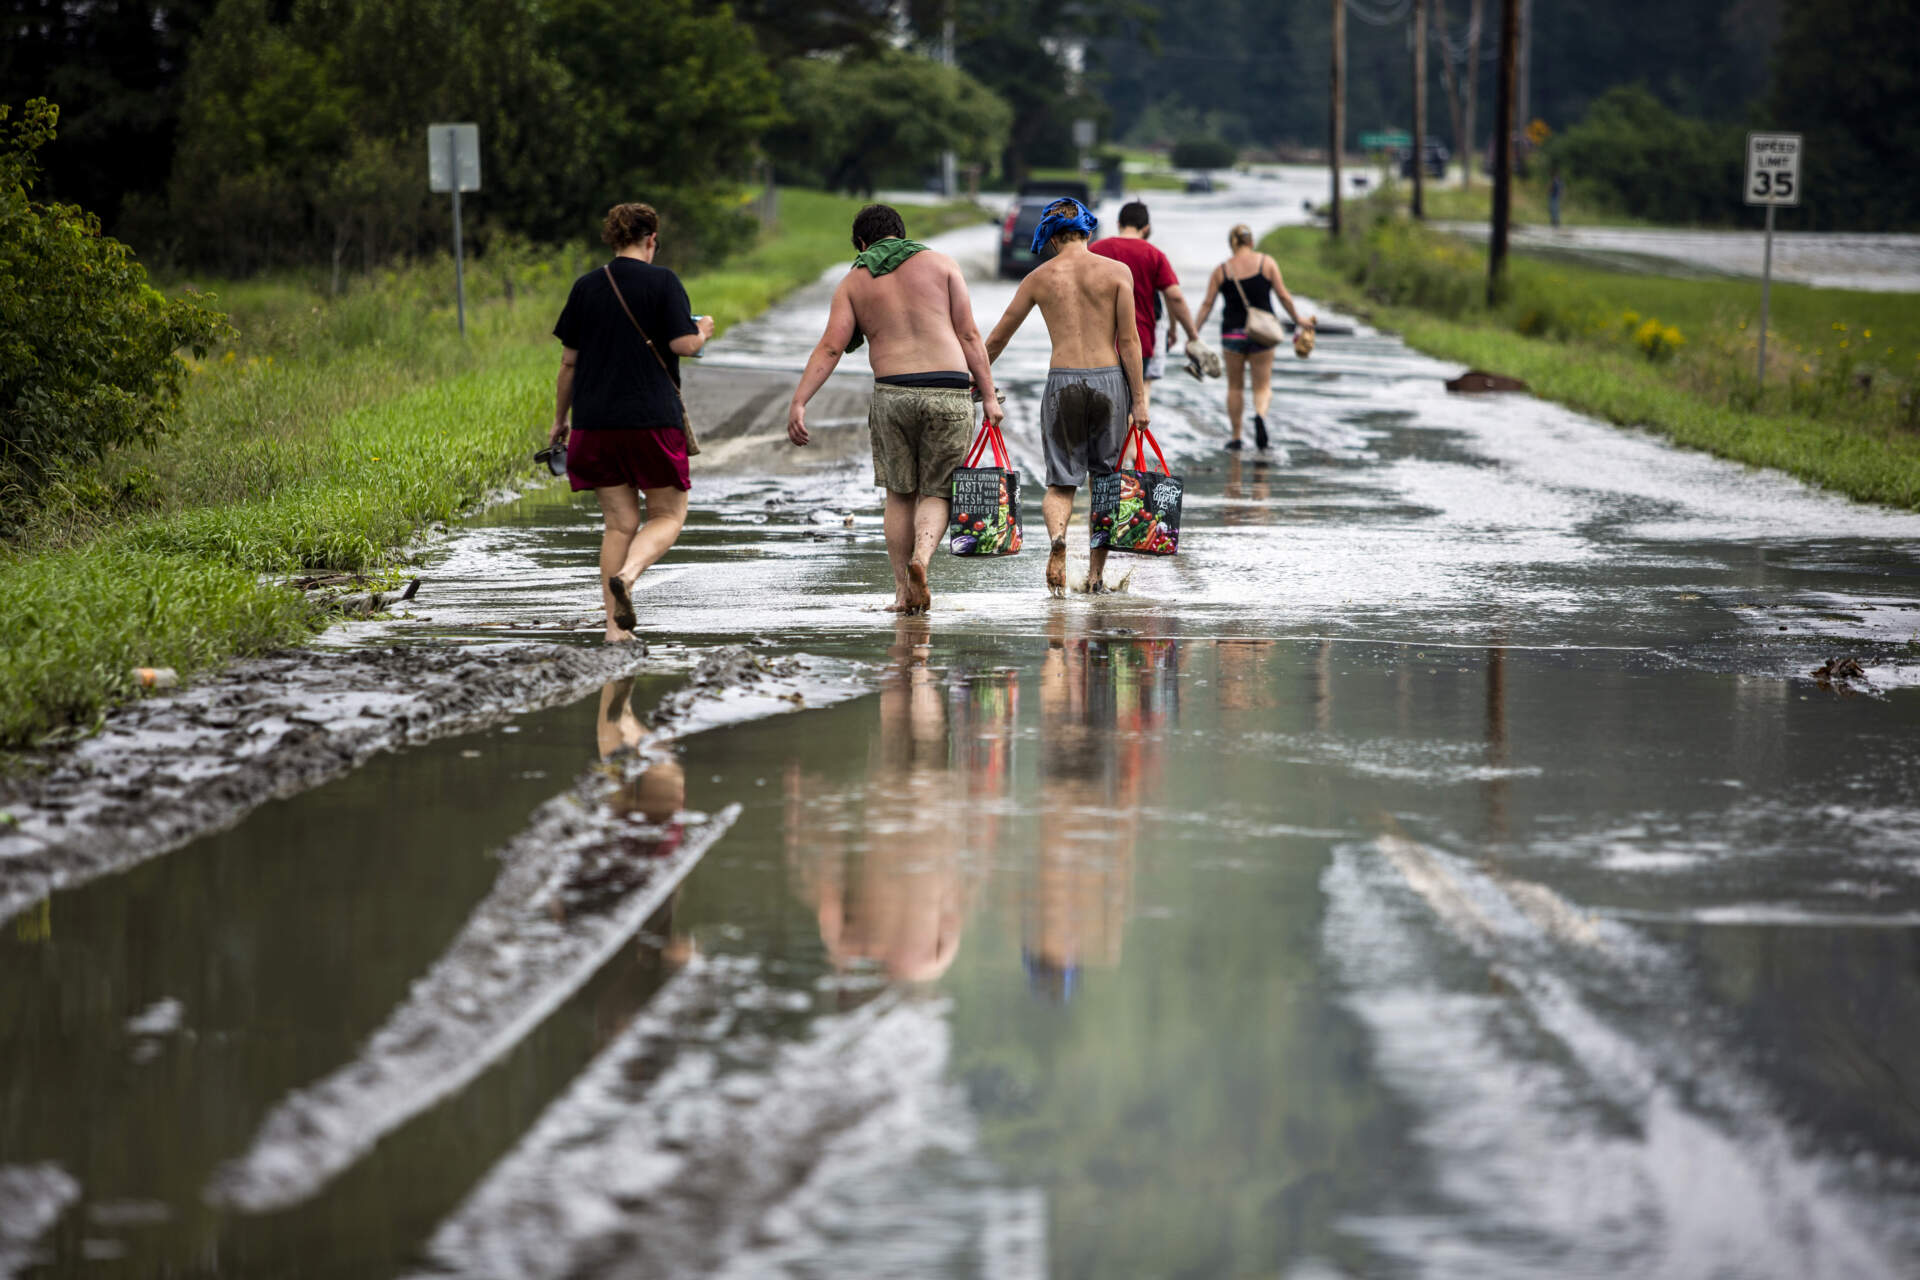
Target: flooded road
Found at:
1445, 866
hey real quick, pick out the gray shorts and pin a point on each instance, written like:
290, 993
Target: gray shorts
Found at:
1083, 422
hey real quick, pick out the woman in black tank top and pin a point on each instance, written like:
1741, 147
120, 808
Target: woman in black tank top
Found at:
1247, 279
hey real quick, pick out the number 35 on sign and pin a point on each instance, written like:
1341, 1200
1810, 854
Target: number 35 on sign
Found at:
1773, 168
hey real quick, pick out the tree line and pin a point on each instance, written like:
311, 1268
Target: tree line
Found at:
238, 135
1702, 73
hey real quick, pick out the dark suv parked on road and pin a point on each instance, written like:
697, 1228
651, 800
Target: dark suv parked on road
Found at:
1024, 214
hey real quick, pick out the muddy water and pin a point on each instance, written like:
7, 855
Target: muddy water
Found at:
1445, 866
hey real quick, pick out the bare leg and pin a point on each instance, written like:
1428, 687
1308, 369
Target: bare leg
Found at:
1057, 509
666, 516
899, 529
1236, 365
620, 507
1261, 363
929, 522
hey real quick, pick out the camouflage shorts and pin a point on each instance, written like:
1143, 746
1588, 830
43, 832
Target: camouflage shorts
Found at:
920, 435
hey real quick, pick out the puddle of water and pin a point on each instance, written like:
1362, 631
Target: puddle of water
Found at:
284, 942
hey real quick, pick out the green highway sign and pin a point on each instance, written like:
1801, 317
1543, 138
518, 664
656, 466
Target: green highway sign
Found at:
1385, 140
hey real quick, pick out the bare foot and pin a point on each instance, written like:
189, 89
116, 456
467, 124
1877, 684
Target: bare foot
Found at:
623, 615
616, 636
1057, 568
919, 599
899, 605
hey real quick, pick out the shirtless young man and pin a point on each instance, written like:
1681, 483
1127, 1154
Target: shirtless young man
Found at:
911, 304
1087, 302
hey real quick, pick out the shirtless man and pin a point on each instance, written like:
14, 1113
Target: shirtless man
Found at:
911, 304
1087, 302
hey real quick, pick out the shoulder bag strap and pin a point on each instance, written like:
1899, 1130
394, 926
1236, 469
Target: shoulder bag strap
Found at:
621, 298
1238, 288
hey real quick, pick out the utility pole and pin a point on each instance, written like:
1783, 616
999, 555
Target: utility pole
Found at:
1502, 151
1419, 108
1523, 98
947, 178
1337, 111
1474, 23
1450, 78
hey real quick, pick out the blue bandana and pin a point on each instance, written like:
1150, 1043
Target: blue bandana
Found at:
1053, 224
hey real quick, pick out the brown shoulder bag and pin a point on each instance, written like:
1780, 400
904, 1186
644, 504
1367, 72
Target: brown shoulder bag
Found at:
686, 423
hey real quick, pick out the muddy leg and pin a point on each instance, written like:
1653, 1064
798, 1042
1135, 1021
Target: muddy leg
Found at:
929, 523
666, 516
1057, 509
620, 506
899, 529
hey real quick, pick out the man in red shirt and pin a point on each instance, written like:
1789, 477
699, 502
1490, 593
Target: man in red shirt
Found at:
1152, 274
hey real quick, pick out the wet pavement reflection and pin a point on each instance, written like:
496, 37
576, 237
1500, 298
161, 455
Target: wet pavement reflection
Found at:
1446, 866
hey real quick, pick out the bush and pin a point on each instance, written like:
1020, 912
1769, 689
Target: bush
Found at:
1632, 154
1204, 153
87, 347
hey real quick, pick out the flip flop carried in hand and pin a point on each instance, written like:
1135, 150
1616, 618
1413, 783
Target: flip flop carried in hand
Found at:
1205, 357
623, 614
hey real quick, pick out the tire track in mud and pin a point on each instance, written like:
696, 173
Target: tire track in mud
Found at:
1580, 1108
707, 1140
575, 884
168, 770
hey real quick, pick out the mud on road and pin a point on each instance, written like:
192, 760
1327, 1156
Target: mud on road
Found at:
167, 769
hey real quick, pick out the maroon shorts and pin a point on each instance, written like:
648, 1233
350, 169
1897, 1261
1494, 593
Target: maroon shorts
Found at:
644, 457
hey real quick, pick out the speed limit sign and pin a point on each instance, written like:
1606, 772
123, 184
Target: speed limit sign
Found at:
1773, 168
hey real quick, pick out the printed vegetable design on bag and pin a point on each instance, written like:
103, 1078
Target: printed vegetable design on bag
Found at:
1135, 509
986, 502
1134, 525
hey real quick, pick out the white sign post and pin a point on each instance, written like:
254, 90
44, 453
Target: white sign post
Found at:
453, 165
1773, 179
1085, 131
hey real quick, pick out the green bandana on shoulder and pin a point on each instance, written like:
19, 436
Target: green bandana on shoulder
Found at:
883, 256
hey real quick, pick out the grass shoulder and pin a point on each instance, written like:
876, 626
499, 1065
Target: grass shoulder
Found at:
1842, 406
323, 439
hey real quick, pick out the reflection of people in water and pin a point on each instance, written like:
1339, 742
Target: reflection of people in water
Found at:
1249, 492
653, 797
651, 802
884, 865
1103, 709
618, 730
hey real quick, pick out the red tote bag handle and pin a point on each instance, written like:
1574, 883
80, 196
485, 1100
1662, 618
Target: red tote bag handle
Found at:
989, 436
1138, 438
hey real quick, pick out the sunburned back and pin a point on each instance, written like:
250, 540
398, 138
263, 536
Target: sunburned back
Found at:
907, 316
1079, 294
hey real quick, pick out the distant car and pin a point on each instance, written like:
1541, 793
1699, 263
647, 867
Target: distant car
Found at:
1023, 216
1435, 154
1200, 184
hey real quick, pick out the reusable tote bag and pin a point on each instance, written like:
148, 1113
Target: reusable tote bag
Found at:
986, 501
1136, 509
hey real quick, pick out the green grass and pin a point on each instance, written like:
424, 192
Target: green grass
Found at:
324, 438
1845, 417
1447, 202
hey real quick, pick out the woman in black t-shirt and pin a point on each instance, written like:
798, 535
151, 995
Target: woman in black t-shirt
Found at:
625, 440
